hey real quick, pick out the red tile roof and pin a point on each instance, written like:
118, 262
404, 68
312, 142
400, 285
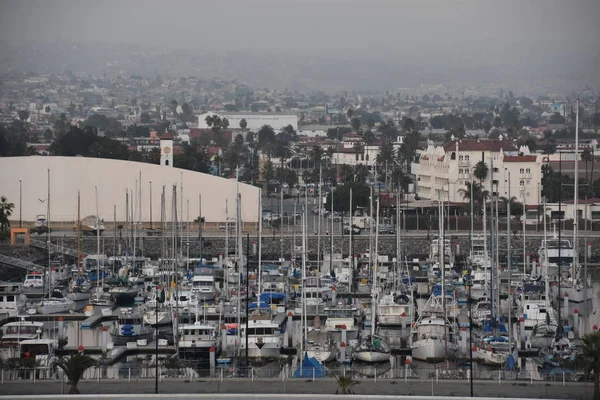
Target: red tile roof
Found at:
520, 158
493, 145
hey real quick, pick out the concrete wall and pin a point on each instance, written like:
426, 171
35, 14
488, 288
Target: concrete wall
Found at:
113, 178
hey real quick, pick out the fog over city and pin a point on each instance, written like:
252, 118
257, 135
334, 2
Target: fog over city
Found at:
326, 44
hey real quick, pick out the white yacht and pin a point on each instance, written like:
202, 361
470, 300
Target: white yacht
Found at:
540, 321
43, 352
395, 310
339, 317
433, 335
560, 253
264, 335
13, 333
204, 287
12, 299
196, 340
320, 345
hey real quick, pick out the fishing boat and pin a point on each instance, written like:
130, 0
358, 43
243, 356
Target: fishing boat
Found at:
196, 340
34, 280
494, 349
12, 299
432, 334
129, 327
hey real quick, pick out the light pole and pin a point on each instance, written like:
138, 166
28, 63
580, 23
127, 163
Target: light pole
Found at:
20, 203
160, 298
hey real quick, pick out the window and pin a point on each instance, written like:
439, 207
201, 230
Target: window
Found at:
522, 171
467, 157
528, 171
10, 298
453, 156
356, 156
167, 163
595, 214
522, 183
460, 158
367, 157
495, 169
460, 171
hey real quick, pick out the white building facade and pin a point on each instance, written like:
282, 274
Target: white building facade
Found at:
254, 120
442, 171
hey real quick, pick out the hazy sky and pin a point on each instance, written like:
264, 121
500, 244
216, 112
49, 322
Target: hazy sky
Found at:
522, 34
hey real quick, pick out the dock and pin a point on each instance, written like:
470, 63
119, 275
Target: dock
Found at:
115, 354
18, 263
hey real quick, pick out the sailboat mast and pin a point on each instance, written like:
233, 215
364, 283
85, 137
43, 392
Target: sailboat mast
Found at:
78, 234
375, 286
98, 240
48, 241
304, 327
545, 266
259, 244
350, 234
575, 198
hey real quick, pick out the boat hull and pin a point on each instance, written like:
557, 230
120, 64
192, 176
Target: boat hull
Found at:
267, 350
198, 352
427, 349
371, 356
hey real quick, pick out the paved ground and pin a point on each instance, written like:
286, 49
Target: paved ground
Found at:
300, 386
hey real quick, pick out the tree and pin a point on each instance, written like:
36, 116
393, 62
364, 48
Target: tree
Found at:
243, 124
74, 367
346, 384
386, 154
145, 118
516, 208
316, 153
497, 122
23, 115
479, 196
268, 171
356, 124
586, 154
589, 359
481, 171
6, 210
556, 119
486, 126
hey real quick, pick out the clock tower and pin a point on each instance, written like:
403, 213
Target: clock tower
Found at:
166, 150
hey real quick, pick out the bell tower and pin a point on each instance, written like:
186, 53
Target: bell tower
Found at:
166, 150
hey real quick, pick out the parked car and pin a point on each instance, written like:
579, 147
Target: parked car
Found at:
387, 230
355, 230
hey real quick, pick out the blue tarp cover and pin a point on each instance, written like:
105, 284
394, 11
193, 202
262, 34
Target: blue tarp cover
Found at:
310, 367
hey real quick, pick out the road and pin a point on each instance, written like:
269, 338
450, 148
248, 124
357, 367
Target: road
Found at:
307, 387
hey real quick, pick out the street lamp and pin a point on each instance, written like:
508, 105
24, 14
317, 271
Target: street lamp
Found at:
20, 203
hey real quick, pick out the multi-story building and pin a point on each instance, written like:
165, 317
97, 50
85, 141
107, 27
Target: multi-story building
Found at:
442, 171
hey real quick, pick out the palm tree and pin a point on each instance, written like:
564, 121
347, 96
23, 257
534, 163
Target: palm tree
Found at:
345, 384
74, 367
6, 210
479, 195
516, 208
386, 153
481, 171
347, 173
589, 359
316, 153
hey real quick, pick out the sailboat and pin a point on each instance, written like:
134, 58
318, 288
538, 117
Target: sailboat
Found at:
374, 348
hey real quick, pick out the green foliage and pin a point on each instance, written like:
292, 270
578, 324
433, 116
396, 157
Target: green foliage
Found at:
589, 359
479, 196
13, 143
74, 367
556, 119
6, 210
341, 196
103, 123
333, 133
481, 171
346, 384
86, 143
194, 158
